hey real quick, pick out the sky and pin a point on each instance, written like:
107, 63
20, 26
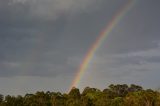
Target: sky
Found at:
43, 42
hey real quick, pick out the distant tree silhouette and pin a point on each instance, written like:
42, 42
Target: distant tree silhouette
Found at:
114, 95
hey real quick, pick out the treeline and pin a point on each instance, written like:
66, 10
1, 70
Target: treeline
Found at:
114, 95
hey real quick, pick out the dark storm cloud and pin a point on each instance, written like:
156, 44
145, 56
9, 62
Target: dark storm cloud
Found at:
127, 65
43, 42
50, 38
34, 36
138, 34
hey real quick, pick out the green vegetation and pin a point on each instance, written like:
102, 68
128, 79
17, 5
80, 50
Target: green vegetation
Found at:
114, 95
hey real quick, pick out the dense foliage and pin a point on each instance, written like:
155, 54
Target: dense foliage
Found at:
114, 95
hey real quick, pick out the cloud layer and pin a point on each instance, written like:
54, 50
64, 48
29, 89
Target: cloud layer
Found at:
47, 40
52, 9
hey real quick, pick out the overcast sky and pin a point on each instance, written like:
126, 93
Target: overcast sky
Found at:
43, 42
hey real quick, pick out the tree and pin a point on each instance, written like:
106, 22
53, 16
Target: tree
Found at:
1, 98
57, 99
103, 100
140, 98
90, 96
118, 101
114, 95
74, 93
117, 90
135, 88
74, 97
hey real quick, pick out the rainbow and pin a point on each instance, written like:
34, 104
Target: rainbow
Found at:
102, 36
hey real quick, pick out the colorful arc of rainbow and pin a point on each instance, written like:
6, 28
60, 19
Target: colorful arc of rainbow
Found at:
88, 57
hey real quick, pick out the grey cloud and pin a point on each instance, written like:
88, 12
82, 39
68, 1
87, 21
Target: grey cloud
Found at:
52, 9
128, 65
137, 34
21, 85
11, 69
69, 37
49, 38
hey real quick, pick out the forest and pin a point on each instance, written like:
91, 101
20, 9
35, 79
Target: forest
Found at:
113, 95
